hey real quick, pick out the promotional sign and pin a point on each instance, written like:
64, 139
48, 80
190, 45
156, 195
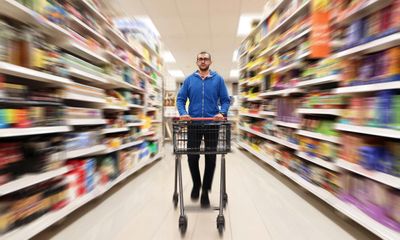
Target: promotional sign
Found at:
320, 39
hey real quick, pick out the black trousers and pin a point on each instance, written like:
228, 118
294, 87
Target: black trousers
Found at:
195, 136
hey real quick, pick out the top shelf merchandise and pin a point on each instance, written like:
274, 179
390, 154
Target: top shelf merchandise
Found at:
343, 98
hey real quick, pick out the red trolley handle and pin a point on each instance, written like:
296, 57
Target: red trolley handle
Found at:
198, 119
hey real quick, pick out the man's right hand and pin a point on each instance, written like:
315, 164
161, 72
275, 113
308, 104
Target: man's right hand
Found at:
185, 118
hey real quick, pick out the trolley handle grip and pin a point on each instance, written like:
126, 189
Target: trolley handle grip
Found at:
199, 119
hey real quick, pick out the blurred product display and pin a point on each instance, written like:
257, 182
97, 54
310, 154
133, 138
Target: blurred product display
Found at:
320, 103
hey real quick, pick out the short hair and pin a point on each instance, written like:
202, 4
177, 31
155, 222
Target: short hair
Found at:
204, 52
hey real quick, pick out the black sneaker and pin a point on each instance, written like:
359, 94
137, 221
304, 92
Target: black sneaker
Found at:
204, 201
195, 193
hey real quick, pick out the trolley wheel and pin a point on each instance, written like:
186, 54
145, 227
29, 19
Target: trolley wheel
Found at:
183, 224
225, 199
175, 199
221, 224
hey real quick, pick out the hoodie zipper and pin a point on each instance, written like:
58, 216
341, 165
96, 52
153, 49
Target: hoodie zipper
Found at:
202, 104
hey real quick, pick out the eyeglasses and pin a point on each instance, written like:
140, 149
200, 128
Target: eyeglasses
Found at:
203, 59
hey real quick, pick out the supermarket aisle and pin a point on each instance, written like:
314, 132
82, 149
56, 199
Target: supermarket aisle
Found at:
263, 205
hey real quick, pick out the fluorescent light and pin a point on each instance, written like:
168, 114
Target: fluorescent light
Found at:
176, 73
234, 73
168, 57
235, 56
245, 21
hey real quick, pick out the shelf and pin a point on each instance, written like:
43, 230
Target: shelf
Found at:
381, 177
289, 20
382, 132
84, 52
135, 124
326, 164
124, 146
87, 76
284, 92
94, 11
30, 230
319, 111
288, 124
114, 83
368, 88
267, 113
366, 9
295, 65
114, 130
85, 122
19, 132
22, 72
255, 66
30, 180
254, 99
115, 108
371, 47
271, 138
156, 121
268, 52
151, 109
319, 136
96, 35
85, 151
83, 98
120, 40
148, 133
268, 70
136, 106
319, 81
289, 43
251, 115
347, 209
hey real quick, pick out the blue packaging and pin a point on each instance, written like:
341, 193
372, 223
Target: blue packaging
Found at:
385, 107
370, 156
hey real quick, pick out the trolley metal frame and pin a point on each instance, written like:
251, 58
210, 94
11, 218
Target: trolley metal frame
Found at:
221, 129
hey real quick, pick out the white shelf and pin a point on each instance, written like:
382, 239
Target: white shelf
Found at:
95, 12
86, 151
328, 165
30, 180
122, 84
268, 70
288, 124
293, 40
284, 92
148, 133
271, 138
30, 230
114, 130
251, 115
347, 209
319, 111
156, 121
85, 52
368, 88
84, 122
135, 124
267, 113
87, 76
18, 132
382, 132
268, 52
22, 72
384, 178
295, 65
96, 35
115, 108
151, 109
319, 136
319, 81
254, 99
370, 47
366, 9
117, 37
136, 106
124, 146
83, 98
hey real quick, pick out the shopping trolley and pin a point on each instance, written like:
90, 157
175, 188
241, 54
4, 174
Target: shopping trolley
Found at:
218, 142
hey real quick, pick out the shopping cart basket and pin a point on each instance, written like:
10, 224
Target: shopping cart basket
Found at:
218, 142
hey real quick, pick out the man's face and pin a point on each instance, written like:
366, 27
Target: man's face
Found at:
203, 62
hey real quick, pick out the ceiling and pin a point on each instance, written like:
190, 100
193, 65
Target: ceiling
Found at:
188, 27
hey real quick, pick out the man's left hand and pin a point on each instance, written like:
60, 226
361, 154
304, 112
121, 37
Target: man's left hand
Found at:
219, 117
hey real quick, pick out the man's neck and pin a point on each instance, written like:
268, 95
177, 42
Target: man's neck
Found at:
204, 74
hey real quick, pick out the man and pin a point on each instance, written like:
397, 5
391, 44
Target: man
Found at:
204, 89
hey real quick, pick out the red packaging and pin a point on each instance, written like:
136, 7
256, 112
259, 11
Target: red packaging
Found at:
385, 21
395, 16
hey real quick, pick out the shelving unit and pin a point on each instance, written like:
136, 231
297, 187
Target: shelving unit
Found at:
88, 77
317, 92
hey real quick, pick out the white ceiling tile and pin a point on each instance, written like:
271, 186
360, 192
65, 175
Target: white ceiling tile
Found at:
169, 26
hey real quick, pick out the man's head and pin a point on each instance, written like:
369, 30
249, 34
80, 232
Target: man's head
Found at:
204, 61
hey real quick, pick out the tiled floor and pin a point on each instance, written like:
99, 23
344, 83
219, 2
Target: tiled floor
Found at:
262, 205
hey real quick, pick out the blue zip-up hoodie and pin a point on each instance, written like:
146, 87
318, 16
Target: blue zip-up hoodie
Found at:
203, 96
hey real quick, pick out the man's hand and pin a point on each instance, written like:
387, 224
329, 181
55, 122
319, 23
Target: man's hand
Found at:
219, 117
185, 118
